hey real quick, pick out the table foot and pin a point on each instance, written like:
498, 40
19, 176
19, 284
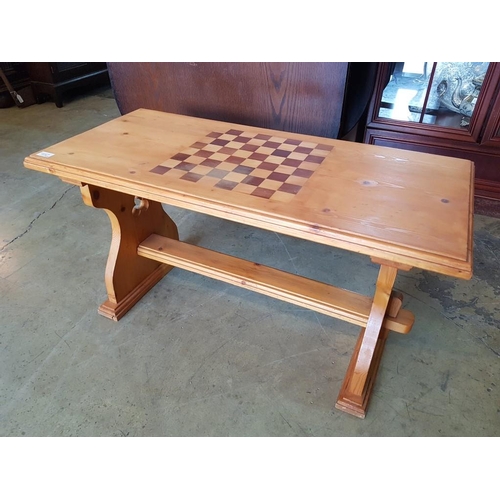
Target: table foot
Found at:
356, 404
116, 310
358, 384
128, 276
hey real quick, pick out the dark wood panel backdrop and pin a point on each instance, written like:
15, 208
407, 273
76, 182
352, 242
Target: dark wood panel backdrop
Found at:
299, 97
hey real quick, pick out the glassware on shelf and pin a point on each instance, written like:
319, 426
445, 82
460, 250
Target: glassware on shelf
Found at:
438, 93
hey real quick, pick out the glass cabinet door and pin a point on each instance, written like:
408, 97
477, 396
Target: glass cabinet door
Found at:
436, 93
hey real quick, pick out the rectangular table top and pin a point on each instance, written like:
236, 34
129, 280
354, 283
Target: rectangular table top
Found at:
410, 208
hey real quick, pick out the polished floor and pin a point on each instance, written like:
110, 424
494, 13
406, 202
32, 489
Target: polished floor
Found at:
197, 357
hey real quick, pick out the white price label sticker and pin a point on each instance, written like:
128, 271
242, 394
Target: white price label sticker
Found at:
45, 154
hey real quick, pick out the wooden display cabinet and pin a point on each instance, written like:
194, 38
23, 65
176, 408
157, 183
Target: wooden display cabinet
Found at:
54, 79
450, 109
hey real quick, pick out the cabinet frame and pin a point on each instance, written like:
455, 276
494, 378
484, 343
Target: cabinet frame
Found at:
480, 142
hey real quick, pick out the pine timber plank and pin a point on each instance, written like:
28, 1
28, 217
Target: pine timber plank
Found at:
321, 297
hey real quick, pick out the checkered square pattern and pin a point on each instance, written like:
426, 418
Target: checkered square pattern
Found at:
262, 165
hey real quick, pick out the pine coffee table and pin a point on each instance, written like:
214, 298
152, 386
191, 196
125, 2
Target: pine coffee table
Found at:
402, 209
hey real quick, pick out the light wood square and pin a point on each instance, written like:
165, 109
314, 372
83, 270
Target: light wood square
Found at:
195, 159
170, 163
244, 188
209, 181
251, 163
241, 153
190, 151
234, 145
297, 181
297, 156
309, 166
268, 184
227, 137
288, 147
265, 151
278, 139
219, 156
201, 170
282, 169
277, 160
211, 147
233, 176
228, 167
283, 197
176, 174
321, 152
263, 174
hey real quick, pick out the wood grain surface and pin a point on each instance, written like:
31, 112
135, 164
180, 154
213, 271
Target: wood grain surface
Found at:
292, 96
408, 208
321, 297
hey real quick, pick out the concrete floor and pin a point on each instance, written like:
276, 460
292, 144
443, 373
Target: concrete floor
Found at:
197, 357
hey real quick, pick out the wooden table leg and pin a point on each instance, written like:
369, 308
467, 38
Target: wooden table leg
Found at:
362, 371
128, 277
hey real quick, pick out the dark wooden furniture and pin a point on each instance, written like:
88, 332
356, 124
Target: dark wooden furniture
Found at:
18, 78
479, 141
322, 99
54, 79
